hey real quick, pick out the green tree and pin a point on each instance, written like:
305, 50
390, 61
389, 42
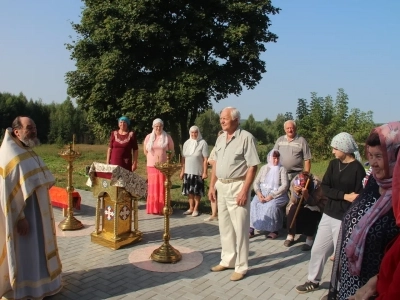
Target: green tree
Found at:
256, 129
250, 124
302, 109
67, 120
208, 123
12, 106
277, 125
359, 124
288, 116
324, 120
341, 109
168, 59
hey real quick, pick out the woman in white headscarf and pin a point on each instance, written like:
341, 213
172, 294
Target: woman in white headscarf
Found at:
194, 169
155, 146
341, 184
271, 186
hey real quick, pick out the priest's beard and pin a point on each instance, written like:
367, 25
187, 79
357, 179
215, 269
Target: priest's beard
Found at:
31, 142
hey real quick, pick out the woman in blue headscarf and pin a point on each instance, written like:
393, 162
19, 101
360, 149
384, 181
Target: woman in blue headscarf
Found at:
123, 146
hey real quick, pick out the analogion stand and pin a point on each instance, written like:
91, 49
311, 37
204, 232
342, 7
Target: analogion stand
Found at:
117, 191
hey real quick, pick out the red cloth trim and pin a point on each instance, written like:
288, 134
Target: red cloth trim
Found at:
59, 198
103, 175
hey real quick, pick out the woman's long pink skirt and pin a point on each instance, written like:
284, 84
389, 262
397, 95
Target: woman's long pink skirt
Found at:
155, 191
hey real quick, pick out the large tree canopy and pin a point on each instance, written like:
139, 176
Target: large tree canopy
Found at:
168, 59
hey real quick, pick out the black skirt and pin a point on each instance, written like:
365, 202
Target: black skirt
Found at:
193, 184
306, 222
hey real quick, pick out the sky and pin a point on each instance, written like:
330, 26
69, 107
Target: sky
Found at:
323, 45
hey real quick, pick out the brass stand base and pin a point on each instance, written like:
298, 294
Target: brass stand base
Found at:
70, 223
166, 254
123, 239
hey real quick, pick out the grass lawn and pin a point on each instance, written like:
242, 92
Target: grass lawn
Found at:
97, 153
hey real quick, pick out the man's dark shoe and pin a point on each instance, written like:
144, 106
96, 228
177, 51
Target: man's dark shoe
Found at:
288, 243
307, 287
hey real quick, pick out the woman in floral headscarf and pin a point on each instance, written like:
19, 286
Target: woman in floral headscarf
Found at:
369, 225
155, 146
341, 184
271, 186
194, 169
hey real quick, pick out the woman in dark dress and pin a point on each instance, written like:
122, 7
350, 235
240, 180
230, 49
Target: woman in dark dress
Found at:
369, 224
123, 146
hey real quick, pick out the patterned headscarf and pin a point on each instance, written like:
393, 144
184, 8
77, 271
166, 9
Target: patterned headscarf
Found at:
191, 144
162, 142
389, 136
346, 143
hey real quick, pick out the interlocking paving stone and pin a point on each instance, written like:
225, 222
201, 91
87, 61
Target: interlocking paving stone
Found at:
91, 271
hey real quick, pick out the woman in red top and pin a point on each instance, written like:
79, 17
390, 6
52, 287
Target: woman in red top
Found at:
123, 147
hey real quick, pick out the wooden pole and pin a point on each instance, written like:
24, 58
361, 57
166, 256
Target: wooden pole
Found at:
299, 205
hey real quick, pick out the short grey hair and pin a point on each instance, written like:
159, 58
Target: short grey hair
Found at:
235, 113
16, 124
290, 121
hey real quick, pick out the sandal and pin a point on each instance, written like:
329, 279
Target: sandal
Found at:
272, 235
188, 212
288, 243
251, 232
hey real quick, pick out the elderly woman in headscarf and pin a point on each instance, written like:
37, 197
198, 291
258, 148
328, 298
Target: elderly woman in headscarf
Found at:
305, 208
155, 147
123, 146
271, 186
369, 225
194, 169
341, 184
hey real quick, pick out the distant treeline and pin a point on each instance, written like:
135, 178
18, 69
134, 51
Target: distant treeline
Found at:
317, 120
56, 123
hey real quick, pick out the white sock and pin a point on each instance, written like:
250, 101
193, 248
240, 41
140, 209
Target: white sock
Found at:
290, 237
309, 242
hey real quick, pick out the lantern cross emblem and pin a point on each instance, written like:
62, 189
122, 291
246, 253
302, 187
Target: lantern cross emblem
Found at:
124, 212
109, 213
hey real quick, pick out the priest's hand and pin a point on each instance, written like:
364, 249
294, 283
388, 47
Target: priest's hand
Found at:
23, 227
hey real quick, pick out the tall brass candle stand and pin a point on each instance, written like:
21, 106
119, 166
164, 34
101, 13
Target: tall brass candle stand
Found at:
70, 223
166, 253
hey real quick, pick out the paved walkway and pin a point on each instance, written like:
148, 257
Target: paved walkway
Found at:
91, 271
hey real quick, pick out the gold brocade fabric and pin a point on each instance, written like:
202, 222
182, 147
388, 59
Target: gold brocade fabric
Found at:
120, 177
22, 174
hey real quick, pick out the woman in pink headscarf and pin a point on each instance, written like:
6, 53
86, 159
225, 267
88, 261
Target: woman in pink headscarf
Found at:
155, 146
388, 279
369, 225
